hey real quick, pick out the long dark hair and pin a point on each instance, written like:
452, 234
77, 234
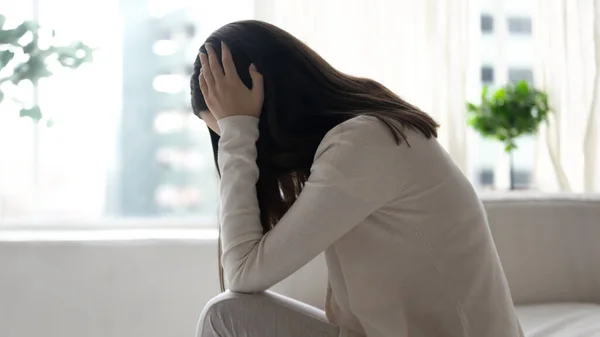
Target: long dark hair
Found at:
305, 97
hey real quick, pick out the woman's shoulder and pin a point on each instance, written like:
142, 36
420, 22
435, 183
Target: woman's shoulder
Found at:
359, 141
361, 130
360, 156
369, 137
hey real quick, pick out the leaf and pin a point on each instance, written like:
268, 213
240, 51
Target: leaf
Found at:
484, 91
30, 47
5, 57
22, 29
33, 70
499, 95
472, 107
2, 20
509, 112
510, 146
12, 36
74, 55
522, 87
31, 25
34, 113
1, 96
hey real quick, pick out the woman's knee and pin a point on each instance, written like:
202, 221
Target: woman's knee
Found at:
217, 318
264, 314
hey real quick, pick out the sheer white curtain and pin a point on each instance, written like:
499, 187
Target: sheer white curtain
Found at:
418, 49
567, 46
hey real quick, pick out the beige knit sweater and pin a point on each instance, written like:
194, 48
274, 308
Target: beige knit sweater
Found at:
406, 239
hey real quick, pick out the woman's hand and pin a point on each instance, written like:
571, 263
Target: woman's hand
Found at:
224, 92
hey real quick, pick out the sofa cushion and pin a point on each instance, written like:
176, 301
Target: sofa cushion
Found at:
548, 245
560, 320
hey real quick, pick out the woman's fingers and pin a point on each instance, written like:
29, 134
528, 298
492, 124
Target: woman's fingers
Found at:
227, 60
213, 62
257, 81
206, 71
224, 92
203, 85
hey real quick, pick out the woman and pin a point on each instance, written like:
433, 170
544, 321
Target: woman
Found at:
312, 160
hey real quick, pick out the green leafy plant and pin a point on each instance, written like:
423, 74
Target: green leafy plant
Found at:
508, 113
29, 61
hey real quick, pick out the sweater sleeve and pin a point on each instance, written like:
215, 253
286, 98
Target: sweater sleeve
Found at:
353, 174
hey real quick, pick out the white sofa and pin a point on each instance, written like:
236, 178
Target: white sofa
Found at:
549, 246
154, 284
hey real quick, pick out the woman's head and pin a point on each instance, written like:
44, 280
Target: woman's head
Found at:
305, 97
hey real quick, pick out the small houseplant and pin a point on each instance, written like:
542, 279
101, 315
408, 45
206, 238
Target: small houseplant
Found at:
508, 113
23, 58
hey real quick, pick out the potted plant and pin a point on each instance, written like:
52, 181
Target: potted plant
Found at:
23, 59
509, 113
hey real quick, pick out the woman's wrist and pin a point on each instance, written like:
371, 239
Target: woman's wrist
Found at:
237, 121
237, 124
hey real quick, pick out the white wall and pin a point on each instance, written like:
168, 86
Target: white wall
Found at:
116, 286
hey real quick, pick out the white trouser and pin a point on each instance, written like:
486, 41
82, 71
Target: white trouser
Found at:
262, 315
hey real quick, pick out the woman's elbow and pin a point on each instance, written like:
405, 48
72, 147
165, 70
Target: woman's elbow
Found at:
242, 272
237, 282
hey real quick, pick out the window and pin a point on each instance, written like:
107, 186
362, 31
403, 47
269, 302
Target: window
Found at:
487, 75
520, 74
519, 25
506, 56
486, 178
190, 30
487, 23
127, 145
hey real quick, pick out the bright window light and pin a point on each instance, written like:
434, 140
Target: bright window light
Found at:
196, 124
164, 47
160, 8
181, 159
170, 121
170, 196
166, 195
170, 84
